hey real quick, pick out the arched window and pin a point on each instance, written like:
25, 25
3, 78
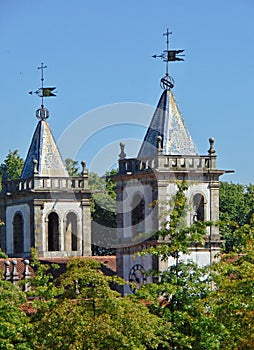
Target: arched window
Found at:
138, 213
70, 239
198, 206
18, 233
53, 232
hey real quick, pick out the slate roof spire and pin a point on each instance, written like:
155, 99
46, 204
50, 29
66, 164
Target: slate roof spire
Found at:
43, 152
167, 121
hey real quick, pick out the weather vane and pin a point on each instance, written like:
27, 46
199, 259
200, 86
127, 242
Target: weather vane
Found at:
167, 55
42, 92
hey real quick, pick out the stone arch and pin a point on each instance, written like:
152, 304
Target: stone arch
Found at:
53, 232
71, 232
18, 233
199, 207
138, 213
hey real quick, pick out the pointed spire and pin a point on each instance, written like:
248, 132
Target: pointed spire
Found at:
168, 123
167, 133
43, 157
44, 153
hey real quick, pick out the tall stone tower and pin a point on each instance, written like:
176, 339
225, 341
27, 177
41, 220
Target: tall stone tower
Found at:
45, 208
145, 183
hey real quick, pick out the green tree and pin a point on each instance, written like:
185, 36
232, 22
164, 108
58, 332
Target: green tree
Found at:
174, 299
228, 312
174, 296
209, 308
103, 210
90, 315
15, 325
178, 236
236, 209
13, 164
72, 167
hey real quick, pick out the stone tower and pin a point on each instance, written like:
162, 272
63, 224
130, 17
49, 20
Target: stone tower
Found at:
45, 208
146, 182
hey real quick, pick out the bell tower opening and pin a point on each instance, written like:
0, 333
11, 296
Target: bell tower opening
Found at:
71, 241
18, 233
138, 214
53, 232
199, 207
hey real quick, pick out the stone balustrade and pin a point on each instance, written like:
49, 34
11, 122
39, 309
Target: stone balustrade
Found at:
44, 183
167, 162
17, 270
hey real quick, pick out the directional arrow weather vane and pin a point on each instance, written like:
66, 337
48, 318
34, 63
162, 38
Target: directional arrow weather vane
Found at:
169, 56
44, 91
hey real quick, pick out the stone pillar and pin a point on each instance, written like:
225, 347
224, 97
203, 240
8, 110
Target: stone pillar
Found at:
2, 226
7, 273
162, 198
26, 275
119, 216
14, 275
214, 209
40, 242
67, 235
61, 229
86, 228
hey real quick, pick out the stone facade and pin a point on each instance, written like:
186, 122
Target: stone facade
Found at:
46, 208
146, 183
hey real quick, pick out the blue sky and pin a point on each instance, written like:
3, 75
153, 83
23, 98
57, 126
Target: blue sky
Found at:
98, 53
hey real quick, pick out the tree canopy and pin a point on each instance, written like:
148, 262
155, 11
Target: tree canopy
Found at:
13, 164
88, 314
103, 211
72, 167
203, 308
188, 307
236, 210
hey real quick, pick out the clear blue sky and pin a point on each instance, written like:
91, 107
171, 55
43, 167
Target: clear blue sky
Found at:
99, 53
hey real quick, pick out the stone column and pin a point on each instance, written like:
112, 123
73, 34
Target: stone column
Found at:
67, 235
162, 198
119, 215
86, 228
2, 227
40, 242
214, 209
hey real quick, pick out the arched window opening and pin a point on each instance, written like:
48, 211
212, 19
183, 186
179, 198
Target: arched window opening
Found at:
198, 205
138, 214
71, 241
18, 233
53, 232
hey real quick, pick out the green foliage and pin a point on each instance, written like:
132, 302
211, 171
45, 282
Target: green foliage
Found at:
90, 315
14, 165
205, 309
174, 299
236, 209
103, 210
2, 254
175, 232
15, 326
43, 287
230, 306
72, 167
